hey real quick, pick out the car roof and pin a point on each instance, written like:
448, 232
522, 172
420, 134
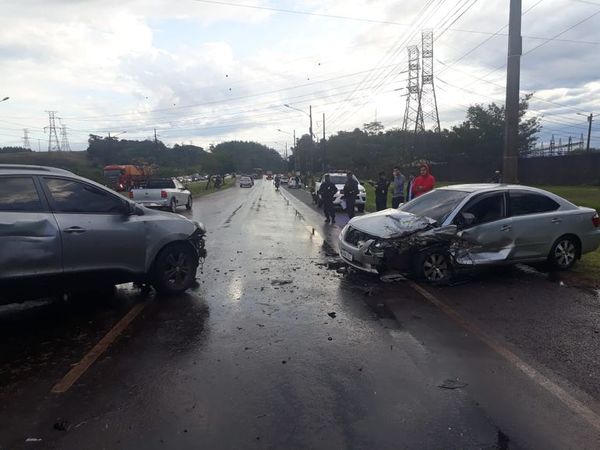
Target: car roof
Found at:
24, 169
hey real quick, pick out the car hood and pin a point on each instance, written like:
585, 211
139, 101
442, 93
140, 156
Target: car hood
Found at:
390, 223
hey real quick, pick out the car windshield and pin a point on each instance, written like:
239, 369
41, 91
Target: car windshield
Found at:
436, 205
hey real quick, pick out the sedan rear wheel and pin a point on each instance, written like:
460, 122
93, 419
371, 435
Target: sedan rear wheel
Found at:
188, 205
175, 269
564, 253
434, 266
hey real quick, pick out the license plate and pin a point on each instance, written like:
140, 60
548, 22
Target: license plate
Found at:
346, 254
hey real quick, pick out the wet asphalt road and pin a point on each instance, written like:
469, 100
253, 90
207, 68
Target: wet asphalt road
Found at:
251, 358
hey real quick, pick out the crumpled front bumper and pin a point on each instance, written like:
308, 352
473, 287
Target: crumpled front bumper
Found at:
359, 257
197, 239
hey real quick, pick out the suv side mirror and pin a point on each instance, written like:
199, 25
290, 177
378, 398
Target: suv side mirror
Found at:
466, 219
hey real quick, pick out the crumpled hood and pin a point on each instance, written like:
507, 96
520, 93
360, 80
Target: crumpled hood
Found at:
390, 223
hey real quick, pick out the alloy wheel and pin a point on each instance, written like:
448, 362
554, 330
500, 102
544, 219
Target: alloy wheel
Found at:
565, 253
435, 267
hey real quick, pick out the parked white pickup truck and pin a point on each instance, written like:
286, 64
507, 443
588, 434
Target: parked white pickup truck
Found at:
339, 179
162, 193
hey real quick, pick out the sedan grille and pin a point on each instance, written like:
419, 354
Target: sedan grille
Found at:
353, 236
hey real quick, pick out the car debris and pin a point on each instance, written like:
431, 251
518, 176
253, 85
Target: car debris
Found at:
332, 314
450, 383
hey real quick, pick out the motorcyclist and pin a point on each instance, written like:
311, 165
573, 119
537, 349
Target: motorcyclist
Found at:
277, 182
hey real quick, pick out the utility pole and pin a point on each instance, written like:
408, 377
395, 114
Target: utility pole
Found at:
296, 154
427, 113
590, 118
323, 164
155, 139
510, 170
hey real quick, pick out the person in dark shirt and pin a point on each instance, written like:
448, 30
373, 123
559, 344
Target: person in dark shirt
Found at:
381, 191
327, 191
350, 192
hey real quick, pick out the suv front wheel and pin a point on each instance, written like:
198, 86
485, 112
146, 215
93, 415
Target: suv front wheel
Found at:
175, 269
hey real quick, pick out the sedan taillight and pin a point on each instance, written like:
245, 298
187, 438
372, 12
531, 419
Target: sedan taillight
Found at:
163, 194
596, 220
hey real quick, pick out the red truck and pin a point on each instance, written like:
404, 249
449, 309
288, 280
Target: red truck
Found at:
124, 177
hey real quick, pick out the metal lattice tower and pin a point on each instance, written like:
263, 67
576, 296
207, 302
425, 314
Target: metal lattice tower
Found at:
411, 117
64, 141
26, 143
53, 143
428, 116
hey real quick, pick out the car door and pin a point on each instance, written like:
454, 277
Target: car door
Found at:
489, 238
536, 223
29, 234
97, 235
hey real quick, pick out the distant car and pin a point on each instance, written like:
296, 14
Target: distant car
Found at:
246, 181
284, 179
471, 225
63, 233
339, 179
162, 193
255, 176
294, 183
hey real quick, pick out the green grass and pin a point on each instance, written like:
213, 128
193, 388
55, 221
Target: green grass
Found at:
198, 188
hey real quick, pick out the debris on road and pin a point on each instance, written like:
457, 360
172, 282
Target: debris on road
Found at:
33, 440
281, 282
392, 277
62, 425
330, 338
332, 315
452, 384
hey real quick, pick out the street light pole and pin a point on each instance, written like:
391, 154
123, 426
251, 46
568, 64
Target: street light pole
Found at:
590, 118
513, 73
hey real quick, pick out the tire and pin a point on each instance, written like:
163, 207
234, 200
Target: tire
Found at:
173, 206
564, 253
434, 266
360, 208
188, 205
174, 269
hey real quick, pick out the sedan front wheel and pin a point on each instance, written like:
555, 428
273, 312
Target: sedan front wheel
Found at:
175, 269
434, 266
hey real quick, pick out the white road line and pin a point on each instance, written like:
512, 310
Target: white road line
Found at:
561, 394
82, 366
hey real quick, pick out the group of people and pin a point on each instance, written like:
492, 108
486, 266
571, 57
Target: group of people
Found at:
402, 190
415, 186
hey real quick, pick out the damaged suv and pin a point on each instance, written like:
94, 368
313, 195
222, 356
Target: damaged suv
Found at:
470, 225
61, 233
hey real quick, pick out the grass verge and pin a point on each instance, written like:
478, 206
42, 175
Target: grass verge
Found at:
198, 188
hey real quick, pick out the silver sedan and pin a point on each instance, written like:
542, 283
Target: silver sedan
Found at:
471, 225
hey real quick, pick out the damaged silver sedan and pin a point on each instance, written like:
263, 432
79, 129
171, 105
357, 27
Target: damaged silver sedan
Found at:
465, 226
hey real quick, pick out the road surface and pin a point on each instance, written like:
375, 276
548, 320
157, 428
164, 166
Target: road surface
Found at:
274, 349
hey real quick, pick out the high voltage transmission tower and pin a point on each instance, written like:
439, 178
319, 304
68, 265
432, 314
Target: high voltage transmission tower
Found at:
53, 143
411, 110
427, 115
26, 143
64, 141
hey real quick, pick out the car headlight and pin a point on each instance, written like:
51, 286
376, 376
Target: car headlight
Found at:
200, 226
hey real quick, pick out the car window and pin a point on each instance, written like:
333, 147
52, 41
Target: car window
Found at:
486, 208
19, 194
160, 184
436, 205
74, 197
522, 203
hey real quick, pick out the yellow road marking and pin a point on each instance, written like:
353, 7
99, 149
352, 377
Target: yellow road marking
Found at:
82, 366
561, 394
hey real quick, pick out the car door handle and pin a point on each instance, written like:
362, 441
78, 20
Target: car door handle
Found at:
556, 220
505, 228
75, 230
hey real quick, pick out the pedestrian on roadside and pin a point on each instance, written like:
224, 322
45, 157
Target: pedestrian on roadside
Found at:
350, 192
425, 182
398, 188
327, 191
409, 196
381, 191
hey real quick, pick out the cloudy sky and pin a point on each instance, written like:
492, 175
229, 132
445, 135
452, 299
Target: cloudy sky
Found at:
208, 71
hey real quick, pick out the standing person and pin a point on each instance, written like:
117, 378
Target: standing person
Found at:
327, 190
409, 196
350, 192
398, 188
381, 191
425, 182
